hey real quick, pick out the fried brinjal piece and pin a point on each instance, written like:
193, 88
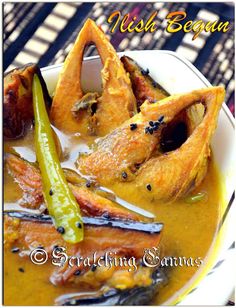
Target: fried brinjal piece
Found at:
28, 177
163, 176
142, 294
144, 87
71, 110
18, 104
123, 238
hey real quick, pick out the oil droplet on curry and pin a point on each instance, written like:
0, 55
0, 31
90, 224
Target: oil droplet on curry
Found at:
189, 230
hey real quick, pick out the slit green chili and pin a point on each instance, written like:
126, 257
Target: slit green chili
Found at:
59, 199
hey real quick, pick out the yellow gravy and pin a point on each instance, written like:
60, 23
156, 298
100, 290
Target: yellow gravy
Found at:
189, 231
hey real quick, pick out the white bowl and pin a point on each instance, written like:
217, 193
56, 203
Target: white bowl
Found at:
177, 75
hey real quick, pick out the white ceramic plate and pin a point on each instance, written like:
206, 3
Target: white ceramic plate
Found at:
177, 75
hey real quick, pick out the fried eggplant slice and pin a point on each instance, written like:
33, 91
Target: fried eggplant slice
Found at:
18, 104
124, 238
162, 176
141, 295
28, 177
116, 103
144, 87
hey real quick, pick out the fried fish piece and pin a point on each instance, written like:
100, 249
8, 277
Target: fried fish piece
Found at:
116, 103
28, 177
146, 88
134, 148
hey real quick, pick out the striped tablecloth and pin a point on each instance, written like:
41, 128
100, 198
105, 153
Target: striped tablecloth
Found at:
44, 33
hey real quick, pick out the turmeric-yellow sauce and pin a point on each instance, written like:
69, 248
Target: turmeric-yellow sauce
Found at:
189, 231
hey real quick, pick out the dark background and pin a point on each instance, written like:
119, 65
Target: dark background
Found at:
44, 32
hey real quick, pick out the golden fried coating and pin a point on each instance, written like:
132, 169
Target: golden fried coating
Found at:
134, 148
116, 103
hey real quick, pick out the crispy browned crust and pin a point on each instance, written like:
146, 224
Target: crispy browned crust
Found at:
28, 177
116, 103
170, 174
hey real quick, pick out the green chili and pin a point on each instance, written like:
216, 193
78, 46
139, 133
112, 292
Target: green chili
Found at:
59, 199
196, 198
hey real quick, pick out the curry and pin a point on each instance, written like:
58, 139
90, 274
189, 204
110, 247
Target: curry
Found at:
182, 237
82, 178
